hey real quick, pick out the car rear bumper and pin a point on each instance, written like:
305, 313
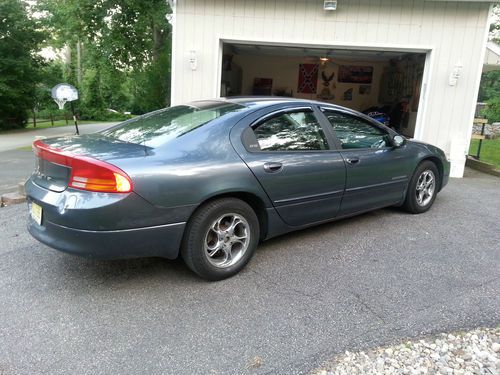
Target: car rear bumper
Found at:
161, 240
105, 226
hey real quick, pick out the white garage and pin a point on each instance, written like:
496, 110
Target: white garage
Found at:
417, 62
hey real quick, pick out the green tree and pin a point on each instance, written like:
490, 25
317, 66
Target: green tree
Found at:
495, 25
151, 87
50, 74
490, 81
492, 110
135, 37
19, 64
127, 42
92, 103
490, 86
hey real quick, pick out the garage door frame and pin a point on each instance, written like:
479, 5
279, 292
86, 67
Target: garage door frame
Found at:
426, 79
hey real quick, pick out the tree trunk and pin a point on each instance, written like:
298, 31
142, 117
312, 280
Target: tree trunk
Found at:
67, 59
79, 63
158, 40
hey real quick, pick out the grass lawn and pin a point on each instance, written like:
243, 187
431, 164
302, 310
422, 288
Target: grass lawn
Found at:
490, 151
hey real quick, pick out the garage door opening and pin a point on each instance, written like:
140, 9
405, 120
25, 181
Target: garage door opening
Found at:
384, 84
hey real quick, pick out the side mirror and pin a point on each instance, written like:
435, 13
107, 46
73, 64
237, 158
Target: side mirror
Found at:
398, 141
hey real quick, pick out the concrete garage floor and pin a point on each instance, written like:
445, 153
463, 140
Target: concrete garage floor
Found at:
354, 284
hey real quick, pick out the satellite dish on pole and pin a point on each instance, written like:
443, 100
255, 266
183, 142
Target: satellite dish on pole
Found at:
63, 93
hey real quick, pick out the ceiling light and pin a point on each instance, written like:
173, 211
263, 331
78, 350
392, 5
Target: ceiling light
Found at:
324, 60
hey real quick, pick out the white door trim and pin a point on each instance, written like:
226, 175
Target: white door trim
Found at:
339, 45
424, 94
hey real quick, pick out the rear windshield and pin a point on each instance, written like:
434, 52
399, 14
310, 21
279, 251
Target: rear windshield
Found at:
157, 128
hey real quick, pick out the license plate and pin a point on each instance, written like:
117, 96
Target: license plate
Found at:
36, 213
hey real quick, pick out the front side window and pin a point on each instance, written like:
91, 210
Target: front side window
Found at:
292, 131
356, 133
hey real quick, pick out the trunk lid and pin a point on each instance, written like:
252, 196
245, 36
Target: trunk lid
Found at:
50, 175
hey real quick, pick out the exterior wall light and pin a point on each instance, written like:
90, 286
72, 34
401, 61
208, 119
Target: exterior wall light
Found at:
193, 60
330, 5
455, 74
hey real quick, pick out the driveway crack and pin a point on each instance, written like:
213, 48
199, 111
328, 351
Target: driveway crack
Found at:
281, 288
367, 306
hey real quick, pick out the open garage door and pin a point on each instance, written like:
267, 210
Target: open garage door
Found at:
384, 84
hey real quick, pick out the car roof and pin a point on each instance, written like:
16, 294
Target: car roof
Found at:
257, 102
254, 103
266, 100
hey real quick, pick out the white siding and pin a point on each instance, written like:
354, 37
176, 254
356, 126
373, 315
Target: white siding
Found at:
453, 32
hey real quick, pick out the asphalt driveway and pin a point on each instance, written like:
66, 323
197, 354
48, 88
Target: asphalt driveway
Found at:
16, 166
17, 160
20, 138
348, 285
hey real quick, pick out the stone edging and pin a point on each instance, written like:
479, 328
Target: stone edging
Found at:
482, 166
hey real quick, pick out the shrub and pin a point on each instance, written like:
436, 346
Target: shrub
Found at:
492, 110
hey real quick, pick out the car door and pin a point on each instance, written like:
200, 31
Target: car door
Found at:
289, 154
377, 173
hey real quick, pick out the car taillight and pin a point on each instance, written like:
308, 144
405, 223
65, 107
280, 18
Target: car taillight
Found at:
95, 175
86, 173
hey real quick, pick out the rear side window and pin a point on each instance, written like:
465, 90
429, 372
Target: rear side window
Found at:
356, 133
292, 131
157, 128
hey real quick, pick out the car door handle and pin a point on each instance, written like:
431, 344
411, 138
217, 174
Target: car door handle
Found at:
273, 167
353, 160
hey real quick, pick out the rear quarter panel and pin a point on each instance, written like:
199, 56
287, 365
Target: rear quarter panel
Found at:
192, 169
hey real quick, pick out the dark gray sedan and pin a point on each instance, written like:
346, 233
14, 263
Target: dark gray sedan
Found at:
210, 179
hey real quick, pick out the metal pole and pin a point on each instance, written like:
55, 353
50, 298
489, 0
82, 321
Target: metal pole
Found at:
74, 118
480, 143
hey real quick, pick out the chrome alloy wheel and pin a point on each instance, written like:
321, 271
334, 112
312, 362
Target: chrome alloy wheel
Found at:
227, 240
426, 186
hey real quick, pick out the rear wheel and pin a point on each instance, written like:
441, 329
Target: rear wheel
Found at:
422, 189
220, 238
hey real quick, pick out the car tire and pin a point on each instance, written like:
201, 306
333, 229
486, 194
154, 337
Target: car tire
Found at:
422, 189
220, 238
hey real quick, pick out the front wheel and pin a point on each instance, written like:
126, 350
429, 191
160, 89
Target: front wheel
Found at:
422, 189
220, 238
